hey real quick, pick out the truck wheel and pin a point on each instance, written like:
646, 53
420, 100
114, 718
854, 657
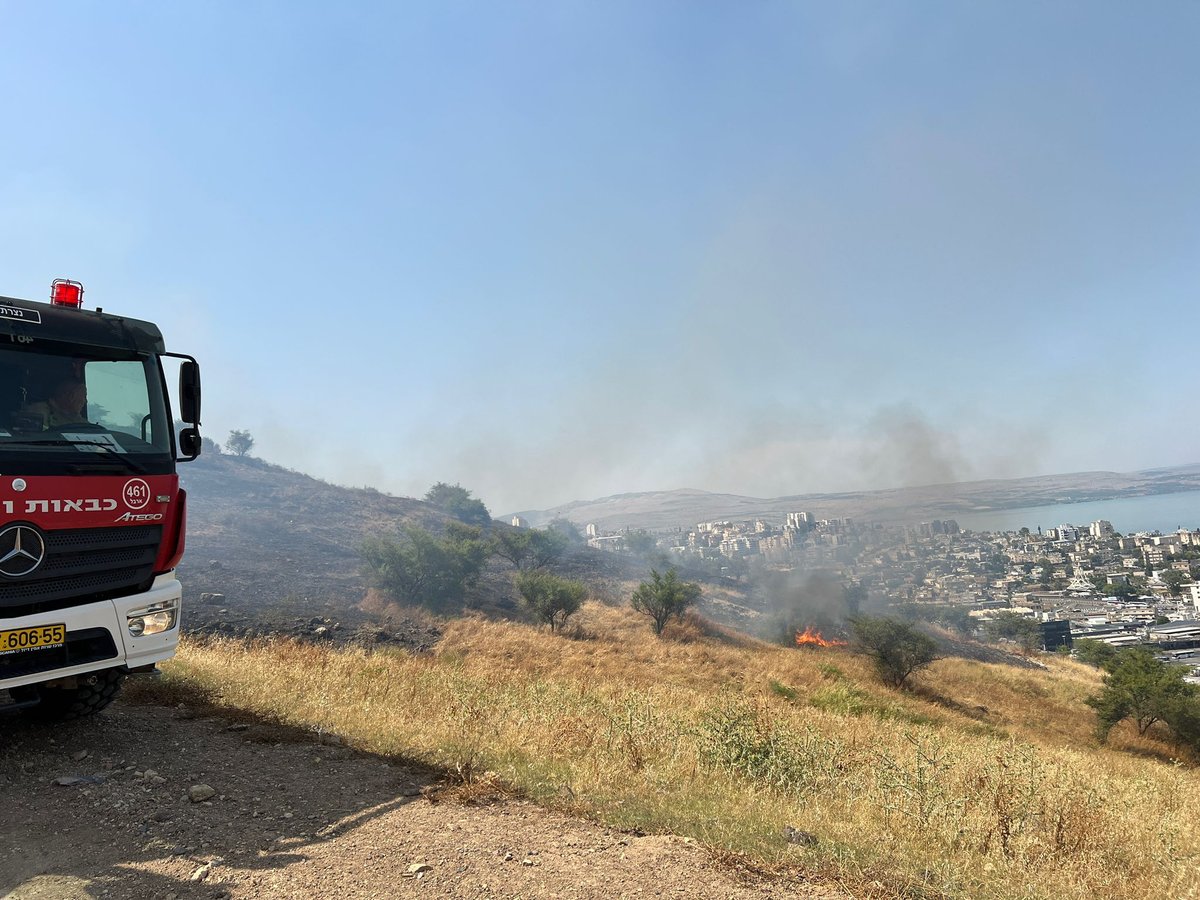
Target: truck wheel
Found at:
93, 692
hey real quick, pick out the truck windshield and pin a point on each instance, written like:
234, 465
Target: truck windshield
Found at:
82, 406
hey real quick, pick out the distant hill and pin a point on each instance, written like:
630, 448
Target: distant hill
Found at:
669, 509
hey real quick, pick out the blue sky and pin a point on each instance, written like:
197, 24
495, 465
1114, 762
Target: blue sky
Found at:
560, 250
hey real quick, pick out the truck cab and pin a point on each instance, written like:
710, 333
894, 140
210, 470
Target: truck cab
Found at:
92, 518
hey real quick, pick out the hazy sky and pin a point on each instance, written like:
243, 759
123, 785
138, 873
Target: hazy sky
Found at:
556, 250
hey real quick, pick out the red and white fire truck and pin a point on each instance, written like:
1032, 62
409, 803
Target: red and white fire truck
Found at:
91, 513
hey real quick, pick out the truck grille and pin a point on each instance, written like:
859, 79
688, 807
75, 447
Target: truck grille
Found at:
82, 566
88, 645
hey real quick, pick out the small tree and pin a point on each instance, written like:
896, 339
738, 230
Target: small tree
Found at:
512, 545
854, 596
1140, 687
568, 530
546, 547
640, 542
1095, 653
896, 648
664, 597
1182, 716
551, 599
239, 443
426, 569
529, 549
1120, 589
1174, 580
456, 500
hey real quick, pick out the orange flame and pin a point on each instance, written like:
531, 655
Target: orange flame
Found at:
810, 637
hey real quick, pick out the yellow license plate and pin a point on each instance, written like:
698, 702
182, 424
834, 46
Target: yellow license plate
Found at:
37, 638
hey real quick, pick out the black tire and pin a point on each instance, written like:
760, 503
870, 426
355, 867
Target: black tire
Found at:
94, 692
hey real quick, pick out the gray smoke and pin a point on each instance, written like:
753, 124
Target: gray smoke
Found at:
792, 601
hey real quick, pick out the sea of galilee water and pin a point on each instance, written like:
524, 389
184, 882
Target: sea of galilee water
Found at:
1158, 512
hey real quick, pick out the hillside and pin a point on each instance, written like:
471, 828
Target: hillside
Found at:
670, 509
793, 765
708, 762
281, 549
280, 552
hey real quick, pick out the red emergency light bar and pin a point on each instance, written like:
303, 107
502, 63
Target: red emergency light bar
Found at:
64, 292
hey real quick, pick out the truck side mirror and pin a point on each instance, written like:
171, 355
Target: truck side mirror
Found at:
189, 443
189, 394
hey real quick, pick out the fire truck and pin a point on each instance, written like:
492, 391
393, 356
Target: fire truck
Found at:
91, 513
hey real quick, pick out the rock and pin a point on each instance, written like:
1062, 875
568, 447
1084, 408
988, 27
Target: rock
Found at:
70, 780
796, 836
331, 740
198, 793
241, 726
201, 873
320, 630
79, 756
527, 861
419, 868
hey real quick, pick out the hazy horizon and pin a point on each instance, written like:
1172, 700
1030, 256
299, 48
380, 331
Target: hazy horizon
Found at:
951, 484
556, 252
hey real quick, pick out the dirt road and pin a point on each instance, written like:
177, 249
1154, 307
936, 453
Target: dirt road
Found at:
293, 817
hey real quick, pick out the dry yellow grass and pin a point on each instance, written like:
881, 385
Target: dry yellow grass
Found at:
728, 740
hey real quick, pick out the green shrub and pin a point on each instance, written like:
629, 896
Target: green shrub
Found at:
896, 648
425, 569
549, 598
664, 597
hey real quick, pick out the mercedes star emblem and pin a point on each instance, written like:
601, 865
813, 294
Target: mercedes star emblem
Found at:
21, 550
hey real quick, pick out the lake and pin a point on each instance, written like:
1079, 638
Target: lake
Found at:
1159, 512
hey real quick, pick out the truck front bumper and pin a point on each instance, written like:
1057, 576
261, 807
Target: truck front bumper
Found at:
95, 621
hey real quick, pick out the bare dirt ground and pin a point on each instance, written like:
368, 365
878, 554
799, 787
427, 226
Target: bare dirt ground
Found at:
296, 815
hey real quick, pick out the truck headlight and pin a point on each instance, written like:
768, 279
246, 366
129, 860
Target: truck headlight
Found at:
153, 619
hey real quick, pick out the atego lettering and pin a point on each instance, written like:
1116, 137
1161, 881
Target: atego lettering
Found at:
61, 506
139, 517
